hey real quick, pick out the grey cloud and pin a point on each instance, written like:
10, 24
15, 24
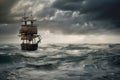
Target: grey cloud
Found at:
46, 12
68, 16
5, 6
105, 9
8, 29
68, 4
98, 12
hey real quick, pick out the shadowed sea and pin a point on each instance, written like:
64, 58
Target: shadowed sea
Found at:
60, 62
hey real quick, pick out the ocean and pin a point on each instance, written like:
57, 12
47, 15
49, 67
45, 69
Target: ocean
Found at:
60, 62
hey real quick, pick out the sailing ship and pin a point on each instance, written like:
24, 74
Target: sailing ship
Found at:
29, 35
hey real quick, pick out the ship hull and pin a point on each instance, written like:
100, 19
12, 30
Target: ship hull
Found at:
29, 47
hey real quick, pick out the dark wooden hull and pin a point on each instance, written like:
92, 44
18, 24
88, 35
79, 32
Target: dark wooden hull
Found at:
29, 47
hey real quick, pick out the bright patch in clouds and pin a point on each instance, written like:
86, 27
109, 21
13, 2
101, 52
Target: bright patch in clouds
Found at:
59, 38
51, 38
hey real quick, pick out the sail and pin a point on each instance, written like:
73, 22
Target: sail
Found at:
28, 30
28, 37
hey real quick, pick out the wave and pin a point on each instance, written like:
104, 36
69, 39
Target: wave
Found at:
115, 46
64, 62
45, 66
3, 75
6, 58
75, 47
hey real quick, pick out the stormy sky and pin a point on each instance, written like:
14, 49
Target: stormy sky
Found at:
82, 18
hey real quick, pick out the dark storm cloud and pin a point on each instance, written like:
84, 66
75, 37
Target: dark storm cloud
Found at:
98, 12
5, 7
68, 4
66, 16
104, 9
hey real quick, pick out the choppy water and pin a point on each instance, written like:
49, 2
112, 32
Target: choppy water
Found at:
61, 62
